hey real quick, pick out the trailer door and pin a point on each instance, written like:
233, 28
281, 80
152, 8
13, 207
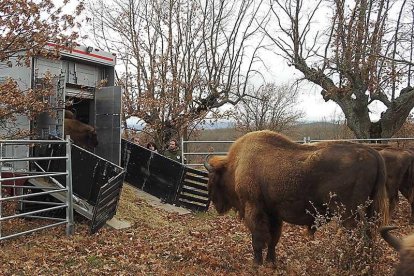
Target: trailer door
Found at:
107, 121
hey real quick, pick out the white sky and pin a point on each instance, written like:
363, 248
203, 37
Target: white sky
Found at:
310, 99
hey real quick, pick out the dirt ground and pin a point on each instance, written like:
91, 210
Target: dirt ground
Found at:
164, 243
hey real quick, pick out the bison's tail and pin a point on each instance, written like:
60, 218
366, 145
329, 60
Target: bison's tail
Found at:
380, 194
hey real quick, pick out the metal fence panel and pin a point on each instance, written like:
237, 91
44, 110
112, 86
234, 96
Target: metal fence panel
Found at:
25, 194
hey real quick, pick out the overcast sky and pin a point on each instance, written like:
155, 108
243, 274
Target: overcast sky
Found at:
310, 99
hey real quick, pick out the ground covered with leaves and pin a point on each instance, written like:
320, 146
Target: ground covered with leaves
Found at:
163, 243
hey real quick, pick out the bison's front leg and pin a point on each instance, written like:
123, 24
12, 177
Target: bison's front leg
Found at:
258, 246
275, 230
258, 223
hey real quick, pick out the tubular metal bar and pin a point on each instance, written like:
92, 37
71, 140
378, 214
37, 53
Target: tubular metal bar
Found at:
29, 195
33, 212
202, 142
54, 180
69, 198
206, 153
32, 159
48, 218
195, 164
43, 202
32, 176
33, 187
32, 230
29, 142
29, 173
367, 139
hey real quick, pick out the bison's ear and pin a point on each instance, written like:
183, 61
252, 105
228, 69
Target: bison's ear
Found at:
218, 162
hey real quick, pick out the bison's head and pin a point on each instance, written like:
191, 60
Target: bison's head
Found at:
218, 190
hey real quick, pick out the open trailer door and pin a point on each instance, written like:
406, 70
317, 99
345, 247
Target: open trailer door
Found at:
107, 121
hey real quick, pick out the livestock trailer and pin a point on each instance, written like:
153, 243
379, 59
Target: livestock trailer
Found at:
84, 81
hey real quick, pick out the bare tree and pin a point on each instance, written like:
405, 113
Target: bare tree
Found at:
268, 107
180, 58
26, 27
360, 58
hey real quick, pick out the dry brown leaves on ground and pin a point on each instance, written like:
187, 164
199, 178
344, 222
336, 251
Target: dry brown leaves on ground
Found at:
162, 243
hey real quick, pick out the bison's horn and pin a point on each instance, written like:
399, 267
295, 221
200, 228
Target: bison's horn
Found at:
389, 238
208, 167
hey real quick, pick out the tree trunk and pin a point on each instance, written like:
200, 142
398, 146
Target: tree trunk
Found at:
357, 114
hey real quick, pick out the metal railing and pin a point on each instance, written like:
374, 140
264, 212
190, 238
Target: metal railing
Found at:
16, 182
190, 163
185, 144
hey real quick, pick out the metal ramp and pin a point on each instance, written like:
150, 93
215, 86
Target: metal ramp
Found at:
171, 181
79, 205
193, 193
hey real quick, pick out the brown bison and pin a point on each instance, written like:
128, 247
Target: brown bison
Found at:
83, 135
404, 247
269, 179
69, 114
400, 177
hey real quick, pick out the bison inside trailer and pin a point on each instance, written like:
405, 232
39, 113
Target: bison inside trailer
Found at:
84, 83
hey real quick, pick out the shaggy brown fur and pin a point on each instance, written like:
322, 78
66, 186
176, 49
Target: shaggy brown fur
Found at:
400, 176
83, 135
69, 114
269, 179
406, 249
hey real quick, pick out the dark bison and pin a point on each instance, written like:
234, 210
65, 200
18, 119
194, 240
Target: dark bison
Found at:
400, 177
83, 135
405, 248
269, 179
